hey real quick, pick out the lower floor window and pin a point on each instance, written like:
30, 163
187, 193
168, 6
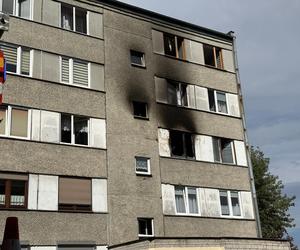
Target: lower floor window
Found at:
230, 203
145, 227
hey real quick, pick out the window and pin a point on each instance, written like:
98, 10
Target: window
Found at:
213, 56
75, 194
74, 129
177, 93
73, 19
140, 110
223, 150
18, 59
13, 191
21, 8
217, 101
145, 227
182, 144
230, 203
74, 72
186, 200
174, 46
137, 58
142, 165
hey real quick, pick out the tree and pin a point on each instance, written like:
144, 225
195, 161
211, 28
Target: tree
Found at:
273, 205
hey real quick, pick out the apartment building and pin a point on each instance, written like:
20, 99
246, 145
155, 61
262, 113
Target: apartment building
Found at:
122, 128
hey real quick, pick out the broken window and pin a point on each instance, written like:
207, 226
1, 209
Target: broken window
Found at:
142, 165
145, 227
140, 110
174, 46
186, 200
213, 56
223, 150
217, 101
177, 93
230, 203
137, 58
182, 144
19, 122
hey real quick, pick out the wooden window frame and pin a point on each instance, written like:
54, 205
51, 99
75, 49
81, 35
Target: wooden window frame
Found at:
177, 47
215, 57
183, 137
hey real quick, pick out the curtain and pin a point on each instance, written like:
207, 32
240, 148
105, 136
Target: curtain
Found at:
179, 200
192, 198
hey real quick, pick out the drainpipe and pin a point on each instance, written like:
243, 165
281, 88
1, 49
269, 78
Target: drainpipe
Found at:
248, 147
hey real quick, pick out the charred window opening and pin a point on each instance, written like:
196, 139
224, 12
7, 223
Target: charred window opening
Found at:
177, 93
174, 46
137, 58
213, 56
212, 101
223, 150
140, 110
182, 144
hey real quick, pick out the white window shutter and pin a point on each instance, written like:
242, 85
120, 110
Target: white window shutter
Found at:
48, 192
33, 191
196, 52
201, 98
158, 42
161, 89
163, 142
50, 126
204, 148
99, 195
233, 105
228, 60
247, 205
212, 200
98, 133
240, 152
95, 24
168, 199
202, 201
35, 124
191, 96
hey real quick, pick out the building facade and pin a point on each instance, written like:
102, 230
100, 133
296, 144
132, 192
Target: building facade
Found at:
119, 124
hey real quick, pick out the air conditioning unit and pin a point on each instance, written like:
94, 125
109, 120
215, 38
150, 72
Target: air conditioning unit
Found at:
4, 21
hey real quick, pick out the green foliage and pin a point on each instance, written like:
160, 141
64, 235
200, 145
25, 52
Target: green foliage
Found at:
273, 205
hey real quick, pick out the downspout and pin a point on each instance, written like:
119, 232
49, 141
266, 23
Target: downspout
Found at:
248, 147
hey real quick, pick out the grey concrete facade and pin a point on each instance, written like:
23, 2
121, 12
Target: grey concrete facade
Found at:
115, 136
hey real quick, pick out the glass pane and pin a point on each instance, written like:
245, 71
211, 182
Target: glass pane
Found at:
80, 20
66, 128
169, 44
192, 197
17, 197
222, 107
81, 130
25, 62
172, 92
211, 98
179, 200
209, 57
142, 164
8, 6
183, 95
224, 203
180, 46
2, 120
177, 147
2, 192
24, 8
236, 210
189, 145
19, 122
226, 151
67, 17
216, 150
137, 58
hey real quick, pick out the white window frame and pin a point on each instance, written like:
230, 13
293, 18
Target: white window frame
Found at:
71, 80
73, 134
148, 166
152, 226
186, 202
230, 205
216, 102
17, 6
220, 153
143, 65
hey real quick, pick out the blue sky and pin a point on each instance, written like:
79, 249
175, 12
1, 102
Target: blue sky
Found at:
268, 37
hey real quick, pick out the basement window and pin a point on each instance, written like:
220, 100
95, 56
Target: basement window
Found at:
145, 227
142, 165
223, 150
213, 56
140, 110
137, 58
217, 101
182, 144
174, 46
177, 93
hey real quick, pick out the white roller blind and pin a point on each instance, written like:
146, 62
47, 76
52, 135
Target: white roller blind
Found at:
168, 199
98, 133
204, 148
25, 62
191, 96
247, 205
50, 126
48, 192
10, 54
32, 191
163, 142
65, 69
99, 195
35, 124
201, 98
158, 42
240, 152
80, 73
233, 105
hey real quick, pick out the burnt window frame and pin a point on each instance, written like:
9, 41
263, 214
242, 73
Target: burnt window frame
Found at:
184, 145
178, 40
142, 56
145, 104
180, 96
215, 51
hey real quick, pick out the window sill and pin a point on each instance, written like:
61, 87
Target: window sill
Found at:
141, 118
138, 66
143, 174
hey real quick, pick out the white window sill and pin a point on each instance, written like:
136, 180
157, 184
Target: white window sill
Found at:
143, 173
145, 235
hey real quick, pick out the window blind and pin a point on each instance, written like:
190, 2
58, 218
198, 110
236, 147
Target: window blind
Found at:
65, 72
80, 73
25, 62
10, 54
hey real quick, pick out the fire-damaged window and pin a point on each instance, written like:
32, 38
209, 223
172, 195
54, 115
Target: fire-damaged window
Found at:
174, 46
182, 144
177, 93
137, 58
140, 110
213, 56
217, 101
223, 150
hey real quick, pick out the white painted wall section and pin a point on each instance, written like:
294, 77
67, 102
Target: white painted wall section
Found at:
201, 98
35, 124
233, 105
228, 60
50, 126
204, 148
48, 192
98, 133
168, 199
163, 142
240, 151
247, 205
161, 89
158, 42
212, 200
33, 191
99, 195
